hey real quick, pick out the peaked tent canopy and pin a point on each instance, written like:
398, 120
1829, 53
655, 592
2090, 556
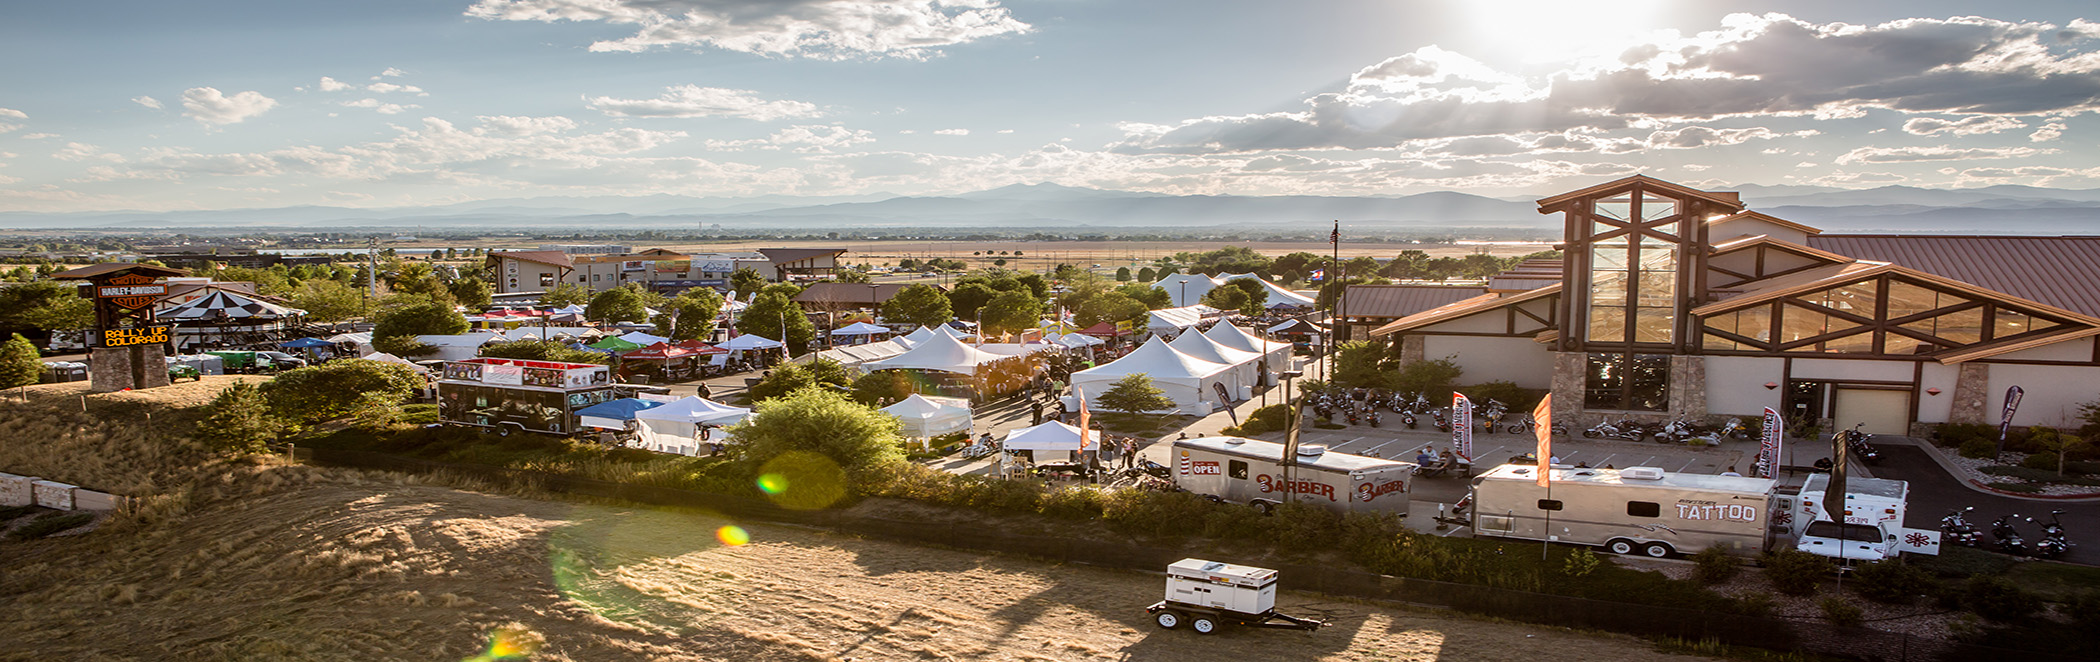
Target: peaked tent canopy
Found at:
1187, 289
1185, 379
750, 341
613, 414
1051, 436
571, 309
1231, 335
860, 329
222, 305
659, 352
928, 417
384, 357
695, 409
643, 339
941, 353
616, 344
1278, 296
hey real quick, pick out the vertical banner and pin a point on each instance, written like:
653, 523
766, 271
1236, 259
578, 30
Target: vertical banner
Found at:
1225, 400
1542, 426
2012, 404
1462, 425
1834, 498
1769, 435
1085, 418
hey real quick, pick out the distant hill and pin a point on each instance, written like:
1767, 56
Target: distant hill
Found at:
1996, 209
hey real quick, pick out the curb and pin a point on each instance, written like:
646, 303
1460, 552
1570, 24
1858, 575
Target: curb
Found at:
1979, 485
1960, 476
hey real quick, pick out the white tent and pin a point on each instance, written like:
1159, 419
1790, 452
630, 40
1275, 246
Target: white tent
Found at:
1278, 354
683, 425
860, 329
1277, 295
1185, 379
1246, 366
571, 309
929, 417
1051, 436
953, 332
460, 347
748, 341
363, 340
556, 332
384, 357
940, 352
643, 339
854, 356
1171, 321
1187, 289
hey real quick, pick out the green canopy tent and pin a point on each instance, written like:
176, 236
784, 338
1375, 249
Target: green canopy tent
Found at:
615, 344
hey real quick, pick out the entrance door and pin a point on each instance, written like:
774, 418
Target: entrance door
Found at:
1804, 402
1883, 411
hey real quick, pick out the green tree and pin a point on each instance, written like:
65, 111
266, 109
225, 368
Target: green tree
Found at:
1361, 364
19, 364
967, 298
918, 305
335, 389
36, 307
882, 388
772, 313
1151, 295
1012, 311
563, 295
1111, 307
789, 290
2061, 443
616, 305
1225, 298
695, 310
857, 438
417, 278
1134, 393
1294, 267
533, 349
852, 276
326, 300
745, 280
1037, 285
472, 292
238, 421
1146, 275
417, 316
1122, 274
1408, 264
790, 378
1435, 377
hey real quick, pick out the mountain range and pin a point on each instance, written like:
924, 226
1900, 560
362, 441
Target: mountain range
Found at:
1995, 209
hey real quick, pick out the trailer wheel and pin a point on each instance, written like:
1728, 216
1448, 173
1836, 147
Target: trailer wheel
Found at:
1622, 547
1167, 620
502, 429
1264, 507
1203, 625
1656, 550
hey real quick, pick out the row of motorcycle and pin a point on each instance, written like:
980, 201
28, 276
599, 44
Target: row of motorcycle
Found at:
1361, 406
2005, 534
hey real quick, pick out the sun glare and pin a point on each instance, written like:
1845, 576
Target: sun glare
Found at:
1544, 30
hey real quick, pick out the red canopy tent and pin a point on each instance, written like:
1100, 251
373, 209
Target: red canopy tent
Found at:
1104, 329
659, 352
700, 348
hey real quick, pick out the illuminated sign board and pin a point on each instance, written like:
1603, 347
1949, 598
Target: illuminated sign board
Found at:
139, 335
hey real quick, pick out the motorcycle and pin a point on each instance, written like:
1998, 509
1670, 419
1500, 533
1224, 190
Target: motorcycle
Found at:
1955, 529
2053, 543
1733, 429
2007, 537
1626, 430
1492, 416
1443, 424
1408, 417
1351, 414
1372, 417
1857, 443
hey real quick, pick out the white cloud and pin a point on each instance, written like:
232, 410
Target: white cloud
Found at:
383, 107
84, 152
2051, 131
1752, 66
384, 88
391, 71
1939, 153
8, 127
333, 85
508, 125
146, 101
1005, 131
951, 132
1848, 179
1966, 126
35, 136
209, 106
1701, 136
696, 101
823, 29
807, 139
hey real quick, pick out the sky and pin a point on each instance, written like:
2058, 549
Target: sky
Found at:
384, 103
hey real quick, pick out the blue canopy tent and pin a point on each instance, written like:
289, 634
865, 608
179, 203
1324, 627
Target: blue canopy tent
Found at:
304, 343
613, 414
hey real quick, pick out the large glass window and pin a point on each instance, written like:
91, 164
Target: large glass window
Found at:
1633, 276
1637, 382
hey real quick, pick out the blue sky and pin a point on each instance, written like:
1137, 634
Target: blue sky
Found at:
205, 105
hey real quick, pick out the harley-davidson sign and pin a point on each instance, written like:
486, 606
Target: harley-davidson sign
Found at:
131, 291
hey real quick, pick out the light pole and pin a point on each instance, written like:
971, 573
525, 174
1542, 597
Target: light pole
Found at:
1290, 439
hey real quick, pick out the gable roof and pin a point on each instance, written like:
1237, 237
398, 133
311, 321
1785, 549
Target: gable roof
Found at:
1768, 218
1740, 243
1459, 309
93, 270
1397, 301
783, 256
1725, 199
2058, 271
850, 293
1840, 274
551, 258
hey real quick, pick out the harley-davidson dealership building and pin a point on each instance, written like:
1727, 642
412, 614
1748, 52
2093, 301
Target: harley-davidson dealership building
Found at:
1672, 301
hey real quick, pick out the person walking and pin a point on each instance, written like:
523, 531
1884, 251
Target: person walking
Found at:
1035, 411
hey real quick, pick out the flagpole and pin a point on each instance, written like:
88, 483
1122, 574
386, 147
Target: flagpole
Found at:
1335, 327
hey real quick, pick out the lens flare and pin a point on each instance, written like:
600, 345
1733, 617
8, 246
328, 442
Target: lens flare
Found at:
512, 641
733, 536
772, 483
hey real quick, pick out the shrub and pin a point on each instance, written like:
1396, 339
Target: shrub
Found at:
1581, 563
1954, 435
2084, 612
1891, 582
1999, 600
857, 439
1073, 502
1980, 448
1795, 572
49, 524
337, 388
1957, 562
2087, 467
1167, 514
2041, 461
2024, 488
1753, 604
1433, 377
1841, 612
1266, 419
239, 421
1519, 399
1713, 565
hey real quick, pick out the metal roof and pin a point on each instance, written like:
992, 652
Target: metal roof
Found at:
1397, 301
850, 293
94, 270
785, 256
552, 258
2058, 271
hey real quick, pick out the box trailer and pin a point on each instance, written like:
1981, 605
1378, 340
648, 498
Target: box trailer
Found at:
1208, 595
515, 395
1252, 471
1633, 510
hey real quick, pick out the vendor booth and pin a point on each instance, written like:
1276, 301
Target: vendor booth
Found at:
616, 415
686, 425
926, 417
1189, 381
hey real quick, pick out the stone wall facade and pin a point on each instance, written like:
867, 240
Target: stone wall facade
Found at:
1688, 387
1972, 396
118, 368
1412, 348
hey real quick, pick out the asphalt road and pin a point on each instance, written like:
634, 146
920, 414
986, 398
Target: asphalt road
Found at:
1933, 493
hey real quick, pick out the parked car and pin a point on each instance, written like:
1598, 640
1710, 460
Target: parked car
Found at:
283, 361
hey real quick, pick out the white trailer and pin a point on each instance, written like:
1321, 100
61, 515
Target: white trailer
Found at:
1252, 472
1873, 528
1633, 510
1208, 595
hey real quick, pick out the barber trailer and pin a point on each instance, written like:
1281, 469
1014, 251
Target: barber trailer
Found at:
1253, 472
1873, 528
1208, 595
1641, 510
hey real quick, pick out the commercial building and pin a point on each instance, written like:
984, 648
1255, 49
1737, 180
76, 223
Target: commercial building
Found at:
659, 269
1672, 301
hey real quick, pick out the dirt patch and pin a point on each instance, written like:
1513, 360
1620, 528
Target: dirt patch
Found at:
330, 565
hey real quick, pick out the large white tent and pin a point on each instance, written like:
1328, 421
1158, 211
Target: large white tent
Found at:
1278, 296
1185, 379
860, 329
1246, 366
930, 417
677, 427
1278, 353
1173, 321
1187, 289
939, 352
749, 341
462, 346
856, 356
384, 357
643, 339
1051, 436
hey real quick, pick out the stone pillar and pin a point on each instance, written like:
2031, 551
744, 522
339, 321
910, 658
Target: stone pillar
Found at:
1972, 393
1568, 381
1412, 349
134, 367
1688, 386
